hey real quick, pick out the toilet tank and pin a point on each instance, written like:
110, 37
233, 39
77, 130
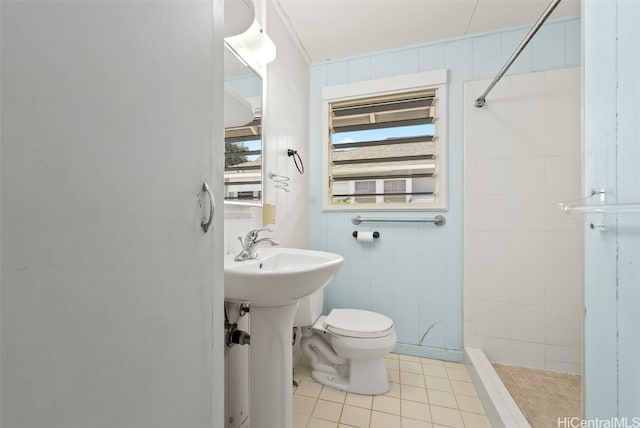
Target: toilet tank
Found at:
309, 309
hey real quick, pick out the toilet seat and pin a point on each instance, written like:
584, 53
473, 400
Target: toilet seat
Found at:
358, 323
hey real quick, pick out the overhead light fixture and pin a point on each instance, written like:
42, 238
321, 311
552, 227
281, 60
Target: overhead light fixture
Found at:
253, 45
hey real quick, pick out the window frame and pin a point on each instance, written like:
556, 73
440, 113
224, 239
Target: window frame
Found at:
387, 86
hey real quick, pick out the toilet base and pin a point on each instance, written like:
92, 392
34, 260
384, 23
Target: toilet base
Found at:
367, 377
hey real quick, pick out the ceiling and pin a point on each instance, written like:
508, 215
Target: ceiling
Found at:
331, 29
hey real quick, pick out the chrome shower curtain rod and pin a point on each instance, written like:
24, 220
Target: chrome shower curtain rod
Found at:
481, 100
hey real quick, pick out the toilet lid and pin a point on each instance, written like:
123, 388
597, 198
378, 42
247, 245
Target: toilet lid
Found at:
358, 323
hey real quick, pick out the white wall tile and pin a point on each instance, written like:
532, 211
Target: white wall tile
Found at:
563, 175
469, 250
492, 212
522, 138
526, 354
558, 366
526, 212
490, 141
526, 285
492, 177
527, 264
469, 333
491, 319
491, 284
564, 250
491, 248
563, 354
526, 249
497, 349
561, 136
526, 323
526, 176
564, 287
563, 326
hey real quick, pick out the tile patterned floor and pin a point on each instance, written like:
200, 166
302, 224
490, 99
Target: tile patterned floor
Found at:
424, 393
543, 396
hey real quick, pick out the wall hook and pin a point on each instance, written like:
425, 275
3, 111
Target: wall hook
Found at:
296, 159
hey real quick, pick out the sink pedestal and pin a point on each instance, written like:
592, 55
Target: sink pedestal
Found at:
271, 366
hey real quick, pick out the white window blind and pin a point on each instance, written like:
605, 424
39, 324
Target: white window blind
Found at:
243, 162
388, 142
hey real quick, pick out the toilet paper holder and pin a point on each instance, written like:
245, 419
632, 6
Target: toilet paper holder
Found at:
376, 235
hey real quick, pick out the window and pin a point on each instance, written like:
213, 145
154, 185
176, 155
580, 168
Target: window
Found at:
366, 188
385, 143
396, 191
243, 162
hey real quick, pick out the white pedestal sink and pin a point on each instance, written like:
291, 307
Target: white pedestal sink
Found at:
273, 283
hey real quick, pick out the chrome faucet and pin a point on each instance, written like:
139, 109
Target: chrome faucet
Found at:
251, 242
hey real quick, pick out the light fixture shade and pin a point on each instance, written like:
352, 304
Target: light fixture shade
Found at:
253, 45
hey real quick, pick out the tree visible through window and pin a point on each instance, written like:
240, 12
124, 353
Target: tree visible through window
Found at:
243, 162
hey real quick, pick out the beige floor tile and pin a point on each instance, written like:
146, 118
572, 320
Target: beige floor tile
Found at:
436, 371
470, 404
410, 366
413, 423
432, 362
355, 416
409, 358
446, 416
383, 403
475, 420
384, 420
331, 394
413, 393
458, 374
441, 398
413, 379
309, 388
321, 423
327, 410
300, 421
543, 396
394, 390
463, 388
392, 364
415, 410
392, 355
303, 405
438, 383
358, 400
453, 365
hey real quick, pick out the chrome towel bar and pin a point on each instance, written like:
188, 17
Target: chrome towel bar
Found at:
437, 220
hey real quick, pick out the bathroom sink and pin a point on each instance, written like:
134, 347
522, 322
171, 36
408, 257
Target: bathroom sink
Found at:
278, 276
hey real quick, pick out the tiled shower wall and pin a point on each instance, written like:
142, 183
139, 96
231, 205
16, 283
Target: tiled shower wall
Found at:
523, 257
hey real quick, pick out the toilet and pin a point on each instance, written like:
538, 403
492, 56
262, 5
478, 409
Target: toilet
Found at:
347, 347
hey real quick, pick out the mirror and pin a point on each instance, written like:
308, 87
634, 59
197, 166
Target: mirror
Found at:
243, 131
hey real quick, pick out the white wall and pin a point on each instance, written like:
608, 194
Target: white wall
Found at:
523, 257
285, 125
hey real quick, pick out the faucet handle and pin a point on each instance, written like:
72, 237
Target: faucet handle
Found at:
253, 234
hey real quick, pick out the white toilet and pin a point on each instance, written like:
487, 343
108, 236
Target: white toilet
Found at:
347, 347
